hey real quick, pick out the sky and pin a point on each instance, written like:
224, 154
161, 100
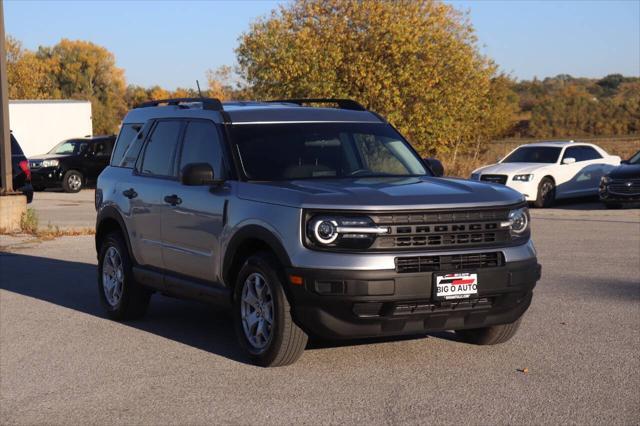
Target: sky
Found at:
173, 43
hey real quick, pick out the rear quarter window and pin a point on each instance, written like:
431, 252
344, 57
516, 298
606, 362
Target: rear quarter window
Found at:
127, 135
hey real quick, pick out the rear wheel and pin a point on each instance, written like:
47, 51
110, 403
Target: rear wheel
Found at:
72, 181
546, 193
492, 335
121, 296
262, 314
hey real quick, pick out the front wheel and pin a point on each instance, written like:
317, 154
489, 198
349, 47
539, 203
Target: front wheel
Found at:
72, 181
491, 335
262, 314
546, 196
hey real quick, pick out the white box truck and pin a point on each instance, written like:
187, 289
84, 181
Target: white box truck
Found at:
40, 124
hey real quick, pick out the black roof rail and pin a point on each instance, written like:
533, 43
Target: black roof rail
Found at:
342, 103
212, 104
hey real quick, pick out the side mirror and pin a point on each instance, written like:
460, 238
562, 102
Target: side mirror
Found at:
435, 165
568, 160
197, 174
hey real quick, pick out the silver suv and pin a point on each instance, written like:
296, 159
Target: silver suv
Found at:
317, 221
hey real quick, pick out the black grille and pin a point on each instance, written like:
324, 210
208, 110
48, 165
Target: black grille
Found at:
457, 305
449, 263
625, 186
465, 228
501, 179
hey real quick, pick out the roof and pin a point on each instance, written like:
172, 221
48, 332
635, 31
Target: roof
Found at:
558, 144
48, 101
253, 112
262, 112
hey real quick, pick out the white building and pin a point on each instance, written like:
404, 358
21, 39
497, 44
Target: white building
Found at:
38, 125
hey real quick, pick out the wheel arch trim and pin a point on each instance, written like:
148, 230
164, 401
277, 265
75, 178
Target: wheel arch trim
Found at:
111, 214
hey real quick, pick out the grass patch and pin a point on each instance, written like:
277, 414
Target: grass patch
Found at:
29, 221
30, 225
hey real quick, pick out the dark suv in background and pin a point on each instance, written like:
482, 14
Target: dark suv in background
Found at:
72, 163
21, 172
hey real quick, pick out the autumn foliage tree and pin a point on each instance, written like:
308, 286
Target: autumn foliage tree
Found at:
414, 61
84, 70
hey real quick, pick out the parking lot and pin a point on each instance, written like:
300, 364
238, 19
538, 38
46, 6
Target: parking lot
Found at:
62, 361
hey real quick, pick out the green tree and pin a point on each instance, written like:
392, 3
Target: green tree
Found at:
83, 70
414, 61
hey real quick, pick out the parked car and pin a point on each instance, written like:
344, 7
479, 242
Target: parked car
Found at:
72, 163
305, 220
621, 186
21, 171
547, 171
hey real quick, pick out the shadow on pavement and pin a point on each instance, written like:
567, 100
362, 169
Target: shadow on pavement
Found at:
73, 285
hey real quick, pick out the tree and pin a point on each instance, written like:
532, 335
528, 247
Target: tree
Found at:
28, 76
219, 81
414, 61
83, 70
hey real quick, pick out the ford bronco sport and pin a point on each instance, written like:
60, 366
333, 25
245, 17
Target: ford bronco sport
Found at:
318, 221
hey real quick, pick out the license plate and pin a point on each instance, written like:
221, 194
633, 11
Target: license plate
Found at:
460, 285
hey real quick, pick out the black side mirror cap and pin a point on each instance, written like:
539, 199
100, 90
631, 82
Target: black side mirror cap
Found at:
197, 174
434, 165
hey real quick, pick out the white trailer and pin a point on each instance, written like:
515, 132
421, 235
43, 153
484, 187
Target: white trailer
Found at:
40, 124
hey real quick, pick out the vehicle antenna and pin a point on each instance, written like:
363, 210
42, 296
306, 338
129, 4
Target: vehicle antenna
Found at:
198, 84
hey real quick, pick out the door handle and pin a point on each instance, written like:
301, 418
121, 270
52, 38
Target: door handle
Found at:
173, 199
130, 193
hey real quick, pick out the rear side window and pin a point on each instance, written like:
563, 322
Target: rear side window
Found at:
103, 148
159, 153
201, 145
127, 135
582, 153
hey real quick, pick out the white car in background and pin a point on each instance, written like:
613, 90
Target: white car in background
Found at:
546, 171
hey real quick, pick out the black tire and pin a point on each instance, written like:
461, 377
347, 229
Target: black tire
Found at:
286, 340
134, 298
492, 335
72, 181
546, 196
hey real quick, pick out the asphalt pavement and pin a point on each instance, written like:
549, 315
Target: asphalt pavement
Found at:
63, 362
64, 210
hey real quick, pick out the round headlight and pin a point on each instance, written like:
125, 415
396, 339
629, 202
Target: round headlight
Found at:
325, 231
519, 221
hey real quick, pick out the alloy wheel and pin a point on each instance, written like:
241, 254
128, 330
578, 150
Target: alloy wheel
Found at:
74, 182
257, 311
112, 276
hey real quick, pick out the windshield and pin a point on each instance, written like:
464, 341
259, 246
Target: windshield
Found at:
534, 154
324, 150
69, 147
635, 159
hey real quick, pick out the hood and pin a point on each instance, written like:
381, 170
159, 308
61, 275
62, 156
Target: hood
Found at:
511, 168
49, 157
626, 171
380, 193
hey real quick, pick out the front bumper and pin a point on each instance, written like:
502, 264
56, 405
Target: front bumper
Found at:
47, 177
528, 189
607, 196
341, 304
